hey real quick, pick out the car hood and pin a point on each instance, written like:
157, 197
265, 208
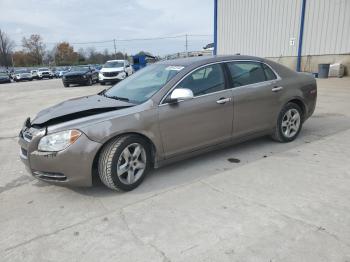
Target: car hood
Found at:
78, 73
78, 108
114, 69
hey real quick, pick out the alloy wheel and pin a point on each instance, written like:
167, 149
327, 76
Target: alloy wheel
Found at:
131, 163
291, 123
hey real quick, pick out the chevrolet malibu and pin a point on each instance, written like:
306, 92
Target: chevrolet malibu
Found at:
167, 111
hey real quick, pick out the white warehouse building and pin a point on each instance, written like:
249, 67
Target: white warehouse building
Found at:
298, 33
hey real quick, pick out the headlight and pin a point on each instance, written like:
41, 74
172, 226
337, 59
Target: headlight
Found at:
58, 141
84, 76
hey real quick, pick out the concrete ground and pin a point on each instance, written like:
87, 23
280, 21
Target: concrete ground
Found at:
281, 202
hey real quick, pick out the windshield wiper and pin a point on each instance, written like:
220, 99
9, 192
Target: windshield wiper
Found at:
103, 93
118, 98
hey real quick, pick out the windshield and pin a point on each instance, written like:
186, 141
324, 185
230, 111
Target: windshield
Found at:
43, 69
140, 86
79, 69
113, 64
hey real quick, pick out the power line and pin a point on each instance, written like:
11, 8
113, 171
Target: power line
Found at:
112, 41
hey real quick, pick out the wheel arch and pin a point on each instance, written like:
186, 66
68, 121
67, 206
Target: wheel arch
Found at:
298, 101
147, 139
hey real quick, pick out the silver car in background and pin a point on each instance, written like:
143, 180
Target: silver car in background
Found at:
22, 75
165, 112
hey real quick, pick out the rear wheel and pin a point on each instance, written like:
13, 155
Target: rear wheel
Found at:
124, 162
289, 123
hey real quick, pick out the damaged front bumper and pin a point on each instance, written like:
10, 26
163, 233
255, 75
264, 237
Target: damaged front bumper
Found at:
71, 166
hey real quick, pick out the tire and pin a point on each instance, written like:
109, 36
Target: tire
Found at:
102, 83
66, 85
112, 160
89, 82
290, 118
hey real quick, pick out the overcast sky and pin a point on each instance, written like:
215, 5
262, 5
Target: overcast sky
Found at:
79, 21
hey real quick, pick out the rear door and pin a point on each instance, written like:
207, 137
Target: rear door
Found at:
202, 121
255, 96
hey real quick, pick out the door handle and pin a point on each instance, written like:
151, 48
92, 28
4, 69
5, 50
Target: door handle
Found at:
277, 88
223, 100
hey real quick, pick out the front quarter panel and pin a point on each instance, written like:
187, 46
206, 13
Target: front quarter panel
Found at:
142, 119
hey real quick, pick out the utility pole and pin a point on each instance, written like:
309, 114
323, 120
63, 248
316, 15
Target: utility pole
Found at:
186, 45
12, 60
115, 49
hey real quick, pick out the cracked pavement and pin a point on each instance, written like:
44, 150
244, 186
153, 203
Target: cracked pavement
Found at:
280, 202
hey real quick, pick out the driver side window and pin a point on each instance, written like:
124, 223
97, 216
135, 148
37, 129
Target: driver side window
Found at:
205, 80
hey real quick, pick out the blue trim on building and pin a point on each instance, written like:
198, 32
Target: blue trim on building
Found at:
301, 34
215, 26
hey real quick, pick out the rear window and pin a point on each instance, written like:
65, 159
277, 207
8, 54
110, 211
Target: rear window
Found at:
270, 75
248, 72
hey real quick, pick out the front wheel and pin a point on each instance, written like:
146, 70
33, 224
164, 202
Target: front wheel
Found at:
124, 162
89, 82
289, 123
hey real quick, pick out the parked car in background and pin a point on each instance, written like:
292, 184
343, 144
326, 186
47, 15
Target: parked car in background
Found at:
21, 75
34, 74
60, 72
114, 71
82, 75
98, 67
165, 112
45, 73
4, 78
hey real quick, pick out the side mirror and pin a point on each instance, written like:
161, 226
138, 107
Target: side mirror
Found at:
181, 94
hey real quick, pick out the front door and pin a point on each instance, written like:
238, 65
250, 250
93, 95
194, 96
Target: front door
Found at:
202, 121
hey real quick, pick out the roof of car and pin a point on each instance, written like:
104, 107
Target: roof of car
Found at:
207, 59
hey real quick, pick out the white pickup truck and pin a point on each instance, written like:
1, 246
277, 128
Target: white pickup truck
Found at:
45, 73
114, 71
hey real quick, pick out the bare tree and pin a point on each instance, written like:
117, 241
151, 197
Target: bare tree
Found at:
35, 47
6, 47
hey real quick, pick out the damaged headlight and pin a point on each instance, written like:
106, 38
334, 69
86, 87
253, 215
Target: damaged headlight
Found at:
58, 141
